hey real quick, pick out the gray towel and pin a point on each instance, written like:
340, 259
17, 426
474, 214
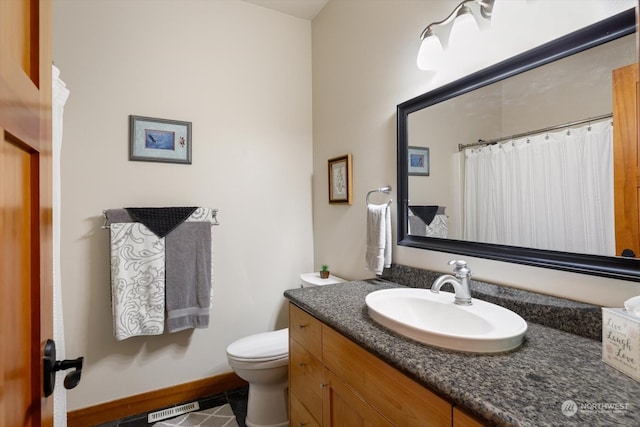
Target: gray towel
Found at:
115, 216
417, 227
188, 276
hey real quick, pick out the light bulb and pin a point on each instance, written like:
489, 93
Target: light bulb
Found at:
465, 27
430, 53
506, 14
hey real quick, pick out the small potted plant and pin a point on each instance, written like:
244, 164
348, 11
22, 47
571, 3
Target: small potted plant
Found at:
324, 271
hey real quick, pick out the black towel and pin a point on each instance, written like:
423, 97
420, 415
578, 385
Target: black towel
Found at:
425, 213
161, 220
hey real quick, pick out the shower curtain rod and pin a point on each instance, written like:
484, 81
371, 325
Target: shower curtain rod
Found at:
461, 147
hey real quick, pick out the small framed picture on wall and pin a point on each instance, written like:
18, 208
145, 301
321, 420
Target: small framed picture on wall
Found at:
418, 161
159, 140
340, 181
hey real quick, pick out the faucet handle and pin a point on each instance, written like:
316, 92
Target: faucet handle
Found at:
460, 268
458, 263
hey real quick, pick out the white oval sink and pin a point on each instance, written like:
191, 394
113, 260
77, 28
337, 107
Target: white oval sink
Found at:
432, 318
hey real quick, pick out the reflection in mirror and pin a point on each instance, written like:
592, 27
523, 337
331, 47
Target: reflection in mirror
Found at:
487, 184
535, 195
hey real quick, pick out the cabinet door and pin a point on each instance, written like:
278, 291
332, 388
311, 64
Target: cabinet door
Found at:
342, 407
305, 380
300, 416
401, 400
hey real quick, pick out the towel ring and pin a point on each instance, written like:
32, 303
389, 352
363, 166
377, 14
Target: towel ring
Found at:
385, 190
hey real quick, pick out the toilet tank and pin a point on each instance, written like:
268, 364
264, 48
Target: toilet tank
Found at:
314, 279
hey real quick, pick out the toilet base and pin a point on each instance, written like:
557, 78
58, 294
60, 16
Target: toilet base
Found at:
267, 406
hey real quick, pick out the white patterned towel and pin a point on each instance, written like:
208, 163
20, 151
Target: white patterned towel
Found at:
137, 280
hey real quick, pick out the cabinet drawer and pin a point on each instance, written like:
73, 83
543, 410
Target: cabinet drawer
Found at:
306, 329
300, 417
400, 399
305, 379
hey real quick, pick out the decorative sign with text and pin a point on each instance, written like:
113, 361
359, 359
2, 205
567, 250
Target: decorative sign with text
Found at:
621, 341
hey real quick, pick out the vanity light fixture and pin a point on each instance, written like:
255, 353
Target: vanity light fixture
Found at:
466, 18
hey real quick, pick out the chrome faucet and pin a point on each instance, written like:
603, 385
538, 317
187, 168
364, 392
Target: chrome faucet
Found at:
460, 282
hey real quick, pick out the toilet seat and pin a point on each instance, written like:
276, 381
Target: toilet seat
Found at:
262, 347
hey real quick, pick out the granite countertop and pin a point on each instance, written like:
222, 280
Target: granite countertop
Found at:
523, 387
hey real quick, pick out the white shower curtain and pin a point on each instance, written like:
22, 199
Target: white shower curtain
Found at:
549, 191
60, 95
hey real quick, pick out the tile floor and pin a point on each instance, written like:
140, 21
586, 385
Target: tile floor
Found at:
236, 398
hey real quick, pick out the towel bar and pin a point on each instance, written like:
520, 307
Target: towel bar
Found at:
214, 218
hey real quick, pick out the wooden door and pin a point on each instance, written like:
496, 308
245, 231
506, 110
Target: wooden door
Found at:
25, 210
626, 159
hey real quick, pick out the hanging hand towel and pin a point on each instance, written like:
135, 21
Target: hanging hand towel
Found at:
378, 250
426, 213
137, 280
188, 276
161, 220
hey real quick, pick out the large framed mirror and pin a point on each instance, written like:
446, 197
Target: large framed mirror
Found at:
479, 107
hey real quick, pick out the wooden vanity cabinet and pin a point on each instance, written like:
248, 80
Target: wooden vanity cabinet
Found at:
317, 397
335, 382
462, 419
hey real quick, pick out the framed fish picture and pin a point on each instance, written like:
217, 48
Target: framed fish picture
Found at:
159, 140
418, 161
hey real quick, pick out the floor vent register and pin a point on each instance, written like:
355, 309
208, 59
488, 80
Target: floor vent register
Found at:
172, 412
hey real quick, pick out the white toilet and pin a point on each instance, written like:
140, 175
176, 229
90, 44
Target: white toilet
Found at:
263, 361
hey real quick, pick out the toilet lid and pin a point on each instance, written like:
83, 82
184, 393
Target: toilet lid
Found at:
263, 346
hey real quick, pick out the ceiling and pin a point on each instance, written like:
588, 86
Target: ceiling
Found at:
305, 9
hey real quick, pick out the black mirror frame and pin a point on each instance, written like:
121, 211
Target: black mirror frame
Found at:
604, 31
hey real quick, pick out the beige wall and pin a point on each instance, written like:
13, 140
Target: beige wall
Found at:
364, 55
442, 127
242, 75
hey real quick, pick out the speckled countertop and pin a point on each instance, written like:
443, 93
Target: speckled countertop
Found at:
524, 387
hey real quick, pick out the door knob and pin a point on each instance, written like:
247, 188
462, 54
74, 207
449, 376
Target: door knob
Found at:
51, 366
628, 253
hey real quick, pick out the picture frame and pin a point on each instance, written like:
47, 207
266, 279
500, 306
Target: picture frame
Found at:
418, 158
340, 180
159, 140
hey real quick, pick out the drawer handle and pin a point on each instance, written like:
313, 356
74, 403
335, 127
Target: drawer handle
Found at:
303, 325
324, 385
302, 364
303, 424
